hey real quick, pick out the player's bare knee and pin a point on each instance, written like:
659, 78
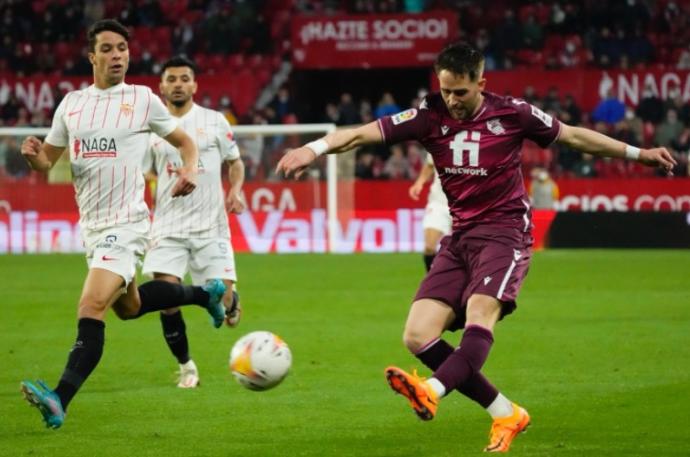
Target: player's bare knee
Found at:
416, 338
483, 310
92, 307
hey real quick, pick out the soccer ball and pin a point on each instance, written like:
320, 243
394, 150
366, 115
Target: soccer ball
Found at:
260, 360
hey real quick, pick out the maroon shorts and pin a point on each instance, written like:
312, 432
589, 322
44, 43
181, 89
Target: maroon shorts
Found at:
486, 260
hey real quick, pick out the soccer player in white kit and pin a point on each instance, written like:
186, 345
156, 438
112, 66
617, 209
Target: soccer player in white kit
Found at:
437, 220
192, 234
106, 129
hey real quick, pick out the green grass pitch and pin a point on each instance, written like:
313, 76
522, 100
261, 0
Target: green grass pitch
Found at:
598, 352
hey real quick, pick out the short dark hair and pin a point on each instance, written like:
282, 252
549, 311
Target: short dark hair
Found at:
460, 58
110, 25
179, 61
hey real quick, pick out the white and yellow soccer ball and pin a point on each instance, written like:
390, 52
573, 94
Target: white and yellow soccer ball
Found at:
260, 360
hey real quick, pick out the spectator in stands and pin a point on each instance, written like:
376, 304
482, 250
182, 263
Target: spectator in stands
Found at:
543, 191
15, 165
532, 33
610, 110
386, 106
226, 108
684, 59
551, 101
397, 166
282, 104
570, 112
364, 168
650, 108
507, 36
639, 48
585, 167
348, 113
331, 114
668, 130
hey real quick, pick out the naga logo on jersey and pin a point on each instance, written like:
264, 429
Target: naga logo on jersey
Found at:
126, 109
404, 116
96, 147
495, 126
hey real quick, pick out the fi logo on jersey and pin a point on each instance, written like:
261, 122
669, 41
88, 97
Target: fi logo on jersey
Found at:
404, 116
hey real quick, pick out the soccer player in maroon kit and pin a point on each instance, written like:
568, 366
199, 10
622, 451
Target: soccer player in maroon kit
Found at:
475, 138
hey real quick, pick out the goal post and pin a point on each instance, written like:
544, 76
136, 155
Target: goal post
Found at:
268, 142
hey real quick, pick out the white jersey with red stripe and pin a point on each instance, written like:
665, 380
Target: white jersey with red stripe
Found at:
107, 133
200, 214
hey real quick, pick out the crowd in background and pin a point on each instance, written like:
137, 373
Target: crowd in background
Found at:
38, 38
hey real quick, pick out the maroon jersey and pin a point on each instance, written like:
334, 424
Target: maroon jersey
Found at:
478, 159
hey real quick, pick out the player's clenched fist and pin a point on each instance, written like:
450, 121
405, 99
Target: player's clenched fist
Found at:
296, 161
31, 146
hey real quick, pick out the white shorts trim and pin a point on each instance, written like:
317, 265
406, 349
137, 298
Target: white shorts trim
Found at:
117, 249
203, 258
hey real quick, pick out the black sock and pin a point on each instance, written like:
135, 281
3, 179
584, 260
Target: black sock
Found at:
83, 358
174, 331
477, 388
157, 295
427, 260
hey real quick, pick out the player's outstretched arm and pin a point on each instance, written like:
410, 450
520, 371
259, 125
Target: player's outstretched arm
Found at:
297, 160
41, 156
233, 201
595, 143
425, 174
186, 174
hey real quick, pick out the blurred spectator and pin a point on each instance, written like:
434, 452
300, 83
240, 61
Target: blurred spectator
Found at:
551, 101
386, 106
364, 167
397, 166
282, 104
532, 33
331, 114
543, 191
650, 108
609, 110
572, 111
684, 59
668, 130
585, 168
15, 165
226, 108
348, 114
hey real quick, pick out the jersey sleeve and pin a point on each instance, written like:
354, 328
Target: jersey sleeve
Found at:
411, 124
58, 135
161, 121
537, 126
226, 140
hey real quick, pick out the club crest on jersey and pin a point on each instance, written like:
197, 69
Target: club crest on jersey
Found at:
200, 132
126, 109
495, 126
404, 116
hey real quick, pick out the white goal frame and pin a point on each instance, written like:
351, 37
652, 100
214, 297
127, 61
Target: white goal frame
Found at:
331, 161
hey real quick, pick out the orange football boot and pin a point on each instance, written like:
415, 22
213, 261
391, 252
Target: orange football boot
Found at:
421, 396
504, 429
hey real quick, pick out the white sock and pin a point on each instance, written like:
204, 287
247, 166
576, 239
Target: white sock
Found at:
437, 387
500, 407
190, 365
